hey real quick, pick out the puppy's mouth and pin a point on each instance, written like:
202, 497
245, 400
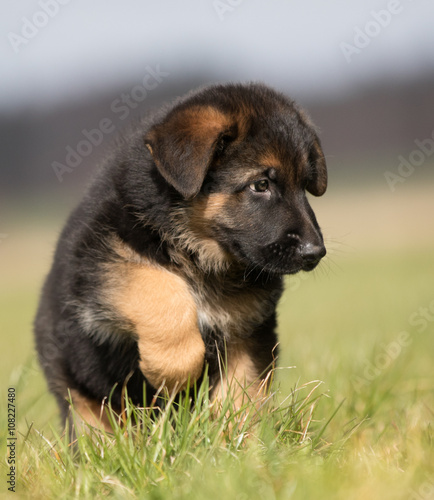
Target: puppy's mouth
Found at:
278, 258
290, 259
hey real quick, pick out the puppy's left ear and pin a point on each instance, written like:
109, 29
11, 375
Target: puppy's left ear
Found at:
183, 145
317, 183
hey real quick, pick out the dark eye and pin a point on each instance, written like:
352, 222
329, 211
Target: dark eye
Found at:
259, 186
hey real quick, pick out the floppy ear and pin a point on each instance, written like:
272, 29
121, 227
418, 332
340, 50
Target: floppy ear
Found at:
317, 184
183, 144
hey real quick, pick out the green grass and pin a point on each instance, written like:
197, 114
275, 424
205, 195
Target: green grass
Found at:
364, 432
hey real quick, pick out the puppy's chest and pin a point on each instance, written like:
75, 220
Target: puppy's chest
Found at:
233, 313
145, 294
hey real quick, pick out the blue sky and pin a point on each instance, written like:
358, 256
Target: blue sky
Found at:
83, 47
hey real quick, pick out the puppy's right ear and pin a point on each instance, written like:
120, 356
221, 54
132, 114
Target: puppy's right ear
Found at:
183, 145
317, 185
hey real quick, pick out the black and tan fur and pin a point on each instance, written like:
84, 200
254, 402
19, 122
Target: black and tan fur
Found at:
176, 254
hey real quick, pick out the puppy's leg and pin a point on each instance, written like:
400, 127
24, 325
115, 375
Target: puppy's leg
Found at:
240, 379
162, 311
88, 411
247, 373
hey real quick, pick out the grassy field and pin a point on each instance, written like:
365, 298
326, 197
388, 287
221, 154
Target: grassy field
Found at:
353, 410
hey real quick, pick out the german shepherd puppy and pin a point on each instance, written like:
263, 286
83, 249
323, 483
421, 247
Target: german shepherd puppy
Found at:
175, 257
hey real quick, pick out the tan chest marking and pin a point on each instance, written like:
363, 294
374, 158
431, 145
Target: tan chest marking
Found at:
163, 312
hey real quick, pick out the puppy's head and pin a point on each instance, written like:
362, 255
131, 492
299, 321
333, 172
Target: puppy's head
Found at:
242, 159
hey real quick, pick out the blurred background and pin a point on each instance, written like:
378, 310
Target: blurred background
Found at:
74, 74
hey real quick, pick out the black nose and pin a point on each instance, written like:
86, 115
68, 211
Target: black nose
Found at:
312, 254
